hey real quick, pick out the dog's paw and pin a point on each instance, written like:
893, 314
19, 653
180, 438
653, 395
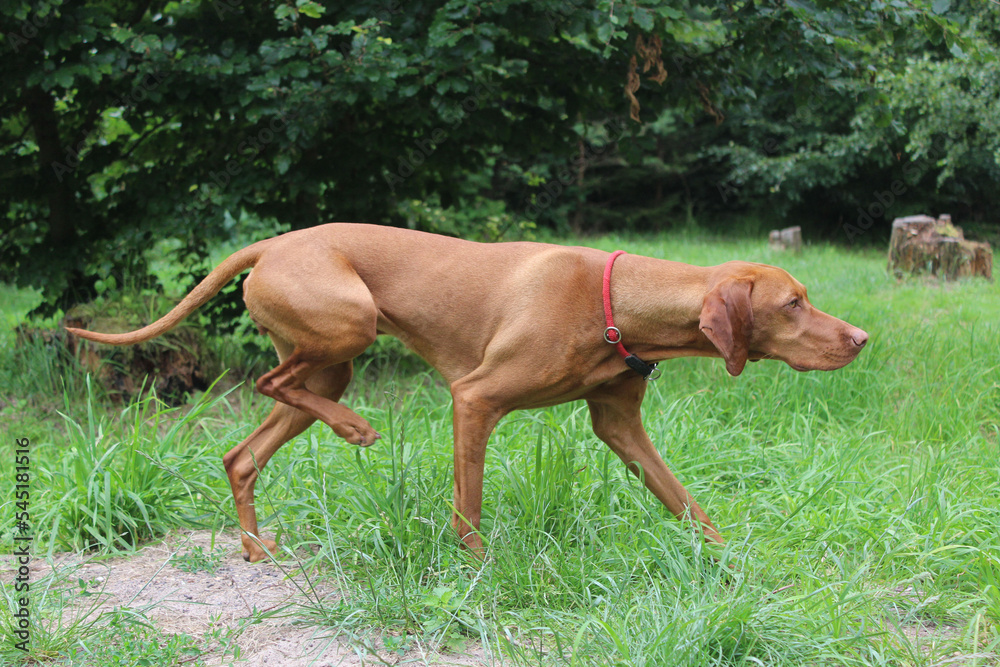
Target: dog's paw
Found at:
252, 553
368, 441
358, 433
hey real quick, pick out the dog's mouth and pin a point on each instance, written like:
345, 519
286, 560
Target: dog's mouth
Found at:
827, 361
759, 356
842, 359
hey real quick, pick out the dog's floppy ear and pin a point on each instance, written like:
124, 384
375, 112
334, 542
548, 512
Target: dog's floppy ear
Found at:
727, 321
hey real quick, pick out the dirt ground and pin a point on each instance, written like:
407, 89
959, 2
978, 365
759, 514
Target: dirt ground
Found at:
252, 601
177, 601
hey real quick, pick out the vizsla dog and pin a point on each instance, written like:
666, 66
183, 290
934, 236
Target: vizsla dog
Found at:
509, 326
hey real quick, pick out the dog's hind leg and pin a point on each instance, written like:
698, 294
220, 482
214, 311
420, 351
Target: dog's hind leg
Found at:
320, 315
288, 384
245, 460
323, 320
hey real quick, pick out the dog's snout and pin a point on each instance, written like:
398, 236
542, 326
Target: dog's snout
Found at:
859, 336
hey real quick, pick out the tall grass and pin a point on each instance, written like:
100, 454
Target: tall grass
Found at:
106, 490
99, 481
859, 505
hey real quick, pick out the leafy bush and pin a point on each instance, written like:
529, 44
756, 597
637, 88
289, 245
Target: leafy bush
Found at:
479, 220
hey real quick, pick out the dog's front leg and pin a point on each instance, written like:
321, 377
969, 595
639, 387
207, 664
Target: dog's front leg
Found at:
617, 421
474, 420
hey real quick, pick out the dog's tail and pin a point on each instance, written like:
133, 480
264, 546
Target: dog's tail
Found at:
231, 267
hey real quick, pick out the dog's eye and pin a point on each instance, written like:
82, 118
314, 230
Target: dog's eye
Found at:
794, 303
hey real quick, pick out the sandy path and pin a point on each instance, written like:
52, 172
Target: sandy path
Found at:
178, 601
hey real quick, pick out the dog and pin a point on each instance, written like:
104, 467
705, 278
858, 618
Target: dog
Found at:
509, 326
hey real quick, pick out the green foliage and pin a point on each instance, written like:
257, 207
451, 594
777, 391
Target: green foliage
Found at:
944, 111
50, 599
197, 559
39, 367
109, 490
123, 128
919, 137
134, 643
69, 626
481, 220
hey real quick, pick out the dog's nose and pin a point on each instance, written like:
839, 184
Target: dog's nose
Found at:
860, 337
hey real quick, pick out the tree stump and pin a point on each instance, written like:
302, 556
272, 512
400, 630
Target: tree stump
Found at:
920, 244
173, 364
789, 238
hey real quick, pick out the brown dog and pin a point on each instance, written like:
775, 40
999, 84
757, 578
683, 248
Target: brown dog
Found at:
509, 326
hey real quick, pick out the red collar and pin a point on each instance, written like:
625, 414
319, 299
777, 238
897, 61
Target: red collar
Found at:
614, 336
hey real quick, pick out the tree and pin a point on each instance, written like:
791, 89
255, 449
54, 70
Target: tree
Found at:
126, 123
917, 136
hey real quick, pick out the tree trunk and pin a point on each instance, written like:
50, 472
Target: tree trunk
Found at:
921, 244
576, 221
63, 213
789, 238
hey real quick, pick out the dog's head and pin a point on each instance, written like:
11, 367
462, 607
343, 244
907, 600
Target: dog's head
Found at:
756, 311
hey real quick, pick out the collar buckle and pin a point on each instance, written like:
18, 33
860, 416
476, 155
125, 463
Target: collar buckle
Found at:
613, 335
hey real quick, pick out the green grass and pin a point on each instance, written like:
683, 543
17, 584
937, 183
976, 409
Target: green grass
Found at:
858, 504
109, 489
69, 627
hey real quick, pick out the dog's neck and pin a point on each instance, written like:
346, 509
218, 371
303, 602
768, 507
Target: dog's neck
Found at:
657, 306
